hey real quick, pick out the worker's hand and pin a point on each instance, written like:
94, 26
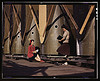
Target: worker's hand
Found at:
34, 52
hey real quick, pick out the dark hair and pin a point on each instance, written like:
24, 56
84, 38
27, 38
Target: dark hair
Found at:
31, 41
65, 26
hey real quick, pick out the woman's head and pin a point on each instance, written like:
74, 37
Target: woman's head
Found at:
64, 27
31, 42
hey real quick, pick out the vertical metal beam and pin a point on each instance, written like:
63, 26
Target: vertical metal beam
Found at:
11, 27
16, 18
11, 21
42, 21
87, 18
23, 19
78, 47
48, 19
34, 17
70, 16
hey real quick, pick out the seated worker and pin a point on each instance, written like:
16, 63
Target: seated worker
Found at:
32, 53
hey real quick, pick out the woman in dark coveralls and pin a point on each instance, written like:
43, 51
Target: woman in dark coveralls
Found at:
64, 49
32, 53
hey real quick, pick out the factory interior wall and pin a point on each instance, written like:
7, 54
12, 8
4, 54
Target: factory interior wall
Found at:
51, 43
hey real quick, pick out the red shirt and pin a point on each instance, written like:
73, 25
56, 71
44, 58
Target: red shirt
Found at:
30, 51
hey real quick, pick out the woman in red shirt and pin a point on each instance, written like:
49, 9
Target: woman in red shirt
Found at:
32, 53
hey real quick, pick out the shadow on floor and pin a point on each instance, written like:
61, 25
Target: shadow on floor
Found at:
13, 69
84, 75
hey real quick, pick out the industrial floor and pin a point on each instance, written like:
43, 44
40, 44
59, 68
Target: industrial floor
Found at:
22, 68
